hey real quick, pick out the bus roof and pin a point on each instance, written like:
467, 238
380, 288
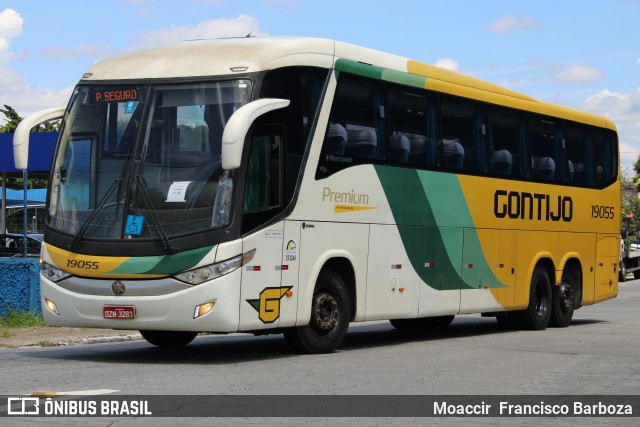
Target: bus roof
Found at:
202, 58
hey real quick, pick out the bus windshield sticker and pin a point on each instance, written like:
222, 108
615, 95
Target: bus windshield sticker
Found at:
134, 224
177, 192
130, 107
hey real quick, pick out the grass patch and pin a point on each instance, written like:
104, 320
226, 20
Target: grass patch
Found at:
17, 319
5, 333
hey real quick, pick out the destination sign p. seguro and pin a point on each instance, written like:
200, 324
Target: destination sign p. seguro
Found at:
100, 96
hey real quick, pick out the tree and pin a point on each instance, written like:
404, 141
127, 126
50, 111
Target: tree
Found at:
630, 203
636, 177
13, 119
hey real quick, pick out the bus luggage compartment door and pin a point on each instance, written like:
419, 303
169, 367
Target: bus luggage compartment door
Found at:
607, 257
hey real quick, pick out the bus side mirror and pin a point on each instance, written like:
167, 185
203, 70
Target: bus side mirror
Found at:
238, 125
21, 135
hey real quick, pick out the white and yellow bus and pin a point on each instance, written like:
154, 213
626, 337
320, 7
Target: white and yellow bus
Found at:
296, 185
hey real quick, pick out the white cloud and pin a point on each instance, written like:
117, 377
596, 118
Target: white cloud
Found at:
624, 110
577, 74
510, 24
15, 90
448, 63
211, 28
10, 27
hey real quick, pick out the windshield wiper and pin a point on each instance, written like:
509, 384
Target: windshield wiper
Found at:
142, 185
83, 230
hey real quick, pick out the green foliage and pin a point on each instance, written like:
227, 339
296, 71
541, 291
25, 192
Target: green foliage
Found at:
18, 319
630, 205
13, 119
636, 177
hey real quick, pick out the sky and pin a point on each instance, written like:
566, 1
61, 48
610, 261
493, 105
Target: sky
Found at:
583, 54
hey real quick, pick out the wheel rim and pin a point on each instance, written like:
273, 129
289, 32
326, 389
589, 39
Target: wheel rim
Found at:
325, 313
542, 299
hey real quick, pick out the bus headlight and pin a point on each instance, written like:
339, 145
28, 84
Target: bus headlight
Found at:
52, 273
210, 272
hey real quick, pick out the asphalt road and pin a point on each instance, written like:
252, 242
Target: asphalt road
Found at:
598, 354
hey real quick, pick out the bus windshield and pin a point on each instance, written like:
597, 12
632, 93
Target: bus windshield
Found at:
144, 161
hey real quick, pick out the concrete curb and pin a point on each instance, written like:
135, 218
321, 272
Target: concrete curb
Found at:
98, 340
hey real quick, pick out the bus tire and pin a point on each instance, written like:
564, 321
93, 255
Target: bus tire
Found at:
436, 322
168, 339
563, 301
537, 315
636, 274
330, 316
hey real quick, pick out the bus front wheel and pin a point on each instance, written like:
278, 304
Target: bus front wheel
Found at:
170, 339
330, 316
537, 315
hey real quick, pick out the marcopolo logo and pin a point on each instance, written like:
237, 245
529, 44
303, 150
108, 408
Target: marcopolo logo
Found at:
532, 206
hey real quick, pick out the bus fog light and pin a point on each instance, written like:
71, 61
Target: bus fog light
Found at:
203, 309
51, 306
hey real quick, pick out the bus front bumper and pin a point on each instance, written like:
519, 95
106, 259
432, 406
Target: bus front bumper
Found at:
174, 311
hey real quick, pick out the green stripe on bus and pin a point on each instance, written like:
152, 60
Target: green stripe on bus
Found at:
431, 231
406, 79
359, 68
163, 265
379, 73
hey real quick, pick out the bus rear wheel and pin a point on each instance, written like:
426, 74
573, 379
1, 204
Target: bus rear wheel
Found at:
330, 316
168, 339
537, 315
563, 301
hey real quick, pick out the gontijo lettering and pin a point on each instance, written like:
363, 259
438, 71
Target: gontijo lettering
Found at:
532, 206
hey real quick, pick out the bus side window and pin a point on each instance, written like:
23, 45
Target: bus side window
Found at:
462, 136
357, 109
543, 145
506, 145
412, 133
578, 147
302, 86
605, 156
263, 194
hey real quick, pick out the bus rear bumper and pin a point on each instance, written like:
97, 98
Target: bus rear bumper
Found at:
171, 312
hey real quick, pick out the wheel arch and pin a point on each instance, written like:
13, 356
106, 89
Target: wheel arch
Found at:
572, 263
545, 260
342, 264
343, 267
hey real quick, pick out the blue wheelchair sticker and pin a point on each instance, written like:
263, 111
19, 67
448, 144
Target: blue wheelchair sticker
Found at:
129, 107
134, 224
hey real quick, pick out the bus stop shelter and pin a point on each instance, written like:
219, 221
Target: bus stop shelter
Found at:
41, 148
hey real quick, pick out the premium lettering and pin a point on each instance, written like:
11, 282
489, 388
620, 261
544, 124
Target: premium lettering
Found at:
532, 206
339, 197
